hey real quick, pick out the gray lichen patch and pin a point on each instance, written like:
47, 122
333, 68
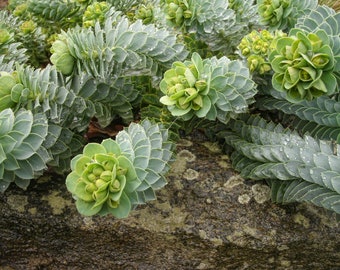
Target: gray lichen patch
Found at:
212, 147
244, 199
56, 202
261, 193
184, 142
17, 202
233, 181
186, 155
190, 174
302, 220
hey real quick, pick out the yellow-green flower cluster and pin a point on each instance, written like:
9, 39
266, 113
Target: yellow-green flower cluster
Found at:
95, 13
145, 13
184, 90
256, 47
274, 12
4, 36
28, 27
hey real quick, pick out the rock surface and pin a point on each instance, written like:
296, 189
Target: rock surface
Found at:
207, 217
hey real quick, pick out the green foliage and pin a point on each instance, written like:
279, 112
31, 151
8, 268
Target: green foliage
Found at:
11, 49
218, 25
211, 88
318, 117
115, 176
120, 47
268, 151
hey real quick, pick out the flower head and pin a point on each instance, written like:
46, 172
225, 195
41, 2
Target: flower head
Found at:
303, 64
102, 180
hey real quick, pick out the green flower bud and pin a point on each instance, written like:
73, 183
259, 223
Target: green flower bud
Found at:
177, 11
115, 186
97, 171
61, 57
106, 176
90, 188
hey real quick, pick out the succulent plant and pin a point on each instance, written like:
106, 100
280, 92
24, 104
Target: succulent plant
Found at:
303, 64
114, 176
283, 14
324, 18
211, 88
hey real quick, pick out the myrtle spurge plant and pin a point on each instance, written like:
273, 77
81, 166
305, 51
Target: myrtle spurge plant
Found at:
160, 68
211, 88
115, 176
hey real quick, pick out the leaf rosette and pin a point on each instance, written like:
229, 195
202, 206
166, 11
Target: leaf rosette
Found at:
303, 65
102, 180
211, 88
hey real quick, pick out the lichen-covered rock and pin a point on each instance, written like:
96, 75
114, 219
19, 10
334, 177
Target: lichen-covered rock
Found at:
207, 217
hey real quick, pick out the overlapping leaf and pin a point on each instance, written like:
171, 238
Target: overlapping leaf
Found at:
301, 191
22, 154
319, 117
147, 146
268, 151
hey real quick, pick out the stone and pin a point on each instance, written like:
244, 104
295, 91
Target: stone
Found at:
207, 217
